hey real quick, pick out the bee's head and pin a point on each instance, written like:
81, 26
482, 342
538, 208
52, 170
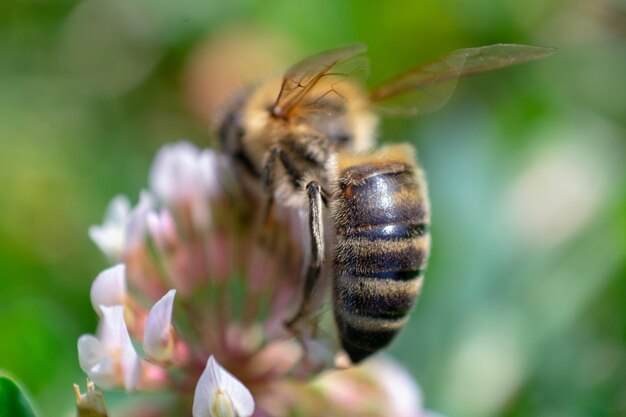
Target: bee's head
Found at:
338, 130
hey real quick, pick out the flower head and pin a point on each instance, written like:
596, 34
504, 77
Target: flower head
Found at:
201, 279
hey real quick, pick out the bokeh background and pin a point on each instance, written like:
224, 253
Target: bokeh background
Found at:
523, 312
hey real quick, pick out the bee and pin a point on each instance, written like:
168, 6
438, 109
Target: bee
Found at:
306, 141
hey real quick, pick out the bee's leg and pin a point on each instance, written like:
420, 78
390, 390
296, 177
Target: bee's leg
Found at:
267, 235
314, 194
277, 158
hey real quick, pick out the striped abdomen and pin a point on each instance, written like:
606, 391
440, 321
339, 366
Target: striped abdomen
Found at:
381, 216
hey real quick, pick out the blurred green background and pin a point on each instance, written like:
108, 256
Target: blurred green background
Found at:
523, 312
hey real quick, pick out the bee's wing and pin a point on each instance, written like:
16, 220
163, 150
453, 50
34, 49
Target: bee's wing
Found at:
303, 76
428, 87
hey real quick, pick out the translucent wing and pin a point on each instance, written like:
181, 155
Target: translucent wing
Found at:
302, 77
428, 87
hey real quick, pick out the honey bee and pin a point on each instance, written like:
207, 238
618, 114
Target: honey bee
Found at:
306, 141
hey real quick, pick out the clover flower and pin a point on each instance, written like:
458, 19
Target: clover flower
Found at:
205, 304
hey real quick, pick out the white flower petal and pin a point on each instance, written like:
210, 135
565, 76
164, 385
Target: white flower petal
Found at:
111, 327
110, 236
218, 390
95, 362
162, 228
175, 173
118, 209
157, 339
90, 352
222, 406
110, 359
238, 393
131, 363
116, 338
109, 287
211, 168
184, 176
136, 225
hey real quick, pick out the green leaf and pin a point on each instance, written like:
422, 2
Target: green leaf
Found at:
13, 400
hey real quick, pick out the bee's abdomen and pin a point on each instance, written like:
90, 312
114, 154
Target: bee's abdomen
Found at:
382, 246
